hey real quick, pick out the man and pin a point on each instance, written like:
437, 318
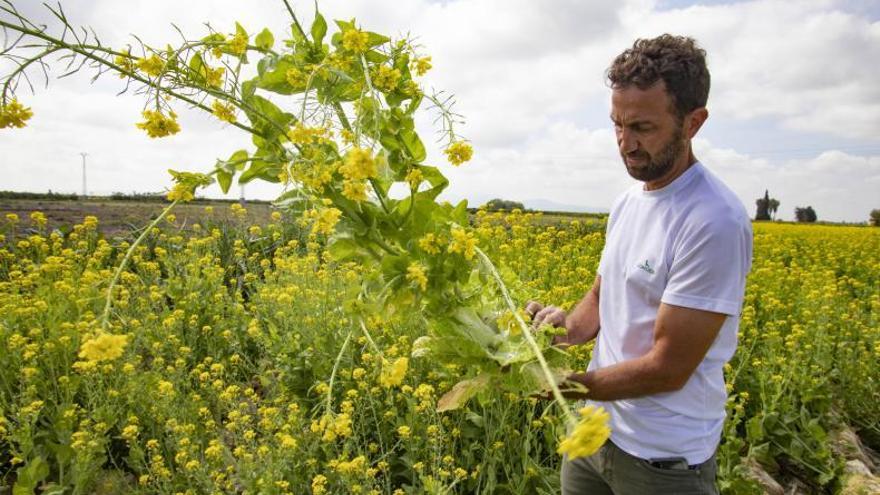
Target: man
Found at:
665, 304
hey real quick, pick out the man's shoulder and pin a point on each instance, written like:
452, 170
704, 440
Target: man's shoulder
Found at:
710, 201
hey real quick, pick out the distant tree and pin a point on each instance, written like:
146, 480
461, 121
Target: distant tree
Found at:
875, 218
805, 214
773, 207
504, 205
763, 205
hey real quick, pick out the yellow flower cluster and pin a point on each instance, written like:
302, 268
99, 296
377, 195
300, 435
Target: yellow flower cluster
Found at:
214, 76
14, 114
303, 135
459, 152
323, 220
385, 78
463, 242
296, 78
393, 373
238, 45
152, 65
415, 273
359, 164
429, 243
588, 435
103, 347
355, 40
224, 111
414, 177
421, 65
158, 124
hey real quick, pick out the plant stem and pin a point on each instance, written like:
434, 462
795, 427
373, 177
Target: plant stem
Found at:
333, 372
105, 316
527, 333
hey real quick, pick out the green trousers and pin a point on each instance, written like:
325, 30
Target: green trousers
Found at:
611, 471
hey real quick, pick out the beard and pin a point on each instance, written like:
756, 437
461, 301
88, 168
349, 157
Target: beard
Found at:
653, 167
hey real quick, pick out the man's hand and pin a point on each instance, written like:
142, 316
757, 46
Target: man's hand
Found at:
541, 314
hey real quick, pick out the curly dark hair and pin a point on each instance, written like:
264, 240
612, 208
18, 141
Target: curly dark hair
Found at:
676, 60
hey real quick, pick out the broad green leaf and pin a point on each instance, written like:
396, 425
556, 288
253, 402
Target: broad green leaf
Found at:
224, 179
197, 66
264, 40
319, 29
266, 117
461, 392
413, 145
30, 475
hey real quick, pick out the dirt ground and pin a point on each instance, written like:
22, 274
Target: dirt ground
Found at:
119, 218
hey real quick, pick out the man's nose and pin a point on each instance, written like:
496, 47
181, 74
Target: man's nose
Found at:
626, 141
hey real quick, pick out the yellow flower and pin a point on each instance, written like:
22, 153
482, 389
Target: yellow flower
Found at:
588, 435
38, 218
359, 164
126, 62
14, 114
224, 111
422, 65
303, 135
414, 178
166, 388
297, 78
214, 77
319, 483
180, 192
393, 374
238, 45
152, 65
415, 273
459, 152
404, 432
385, 78
463, 242
354, 190
429, 244
355, 40
104, 347
158, 125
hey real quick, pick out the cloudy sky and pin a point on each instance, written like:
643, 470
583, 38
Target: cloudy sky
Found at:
794, 106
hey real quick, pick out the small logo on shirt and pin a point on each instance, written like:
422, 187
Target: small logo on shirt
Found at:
647, 267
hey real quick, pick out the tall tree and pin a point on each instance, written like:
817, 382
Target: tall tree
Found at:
763, 205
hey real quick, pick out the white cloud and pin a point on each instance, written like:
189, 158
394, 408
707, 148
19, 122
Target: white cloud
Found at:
528, 77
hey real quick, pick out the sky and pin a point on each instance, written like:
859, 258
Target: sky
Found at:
794, 105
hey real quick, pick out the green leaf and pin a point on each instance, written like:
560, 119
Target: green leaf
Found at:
30, 475
273, 76
266, 118
239, 29
461, 392
224, 179
319, 29
413, 145
264, 40
197, 66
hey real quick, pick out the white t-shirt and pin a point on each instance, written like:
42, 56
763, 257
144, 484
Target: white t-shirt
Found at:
687, 244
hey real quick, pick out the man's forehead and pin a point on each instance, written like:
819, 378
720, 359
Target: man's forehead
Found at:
632, 103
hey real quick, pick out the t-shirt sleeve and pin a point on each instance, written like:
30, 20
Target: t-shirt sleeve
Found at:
709, 267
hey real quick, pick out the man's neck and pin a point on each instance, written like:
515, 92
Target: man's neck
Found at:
682, 164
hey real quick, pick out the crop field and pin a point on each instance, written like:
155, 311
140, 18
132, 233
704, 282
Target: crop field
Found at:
233, 363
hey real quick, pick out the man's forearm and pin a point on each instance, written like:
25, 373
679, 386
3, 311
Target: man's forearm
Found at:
583, 322
626, 380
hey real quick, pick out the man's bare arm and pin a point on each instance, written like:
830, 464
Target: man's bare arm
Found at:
682, 336
582, 323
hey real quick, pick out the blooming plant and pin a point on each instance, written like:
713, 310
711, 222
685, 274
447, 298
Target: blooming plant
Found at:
331, 117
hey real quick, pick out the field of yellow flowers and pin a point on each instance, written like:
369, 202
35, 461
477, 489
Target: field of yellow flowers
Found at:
230, 366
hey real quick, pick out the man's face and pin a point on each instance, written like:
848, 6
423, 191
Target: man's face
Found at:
650, 137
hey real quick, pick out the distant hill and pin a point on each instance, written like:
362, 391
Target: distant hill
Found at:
548, 205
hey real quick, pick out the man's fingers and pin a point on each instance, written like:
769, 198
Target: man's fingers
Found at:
532, 308
551, 315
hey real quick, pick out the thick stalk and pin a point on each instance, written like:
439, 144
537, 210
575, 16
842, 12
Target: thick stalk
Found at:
527, 333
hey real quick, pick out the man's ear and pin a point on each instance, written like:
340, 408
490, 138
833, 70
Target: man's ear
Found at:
694, 121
